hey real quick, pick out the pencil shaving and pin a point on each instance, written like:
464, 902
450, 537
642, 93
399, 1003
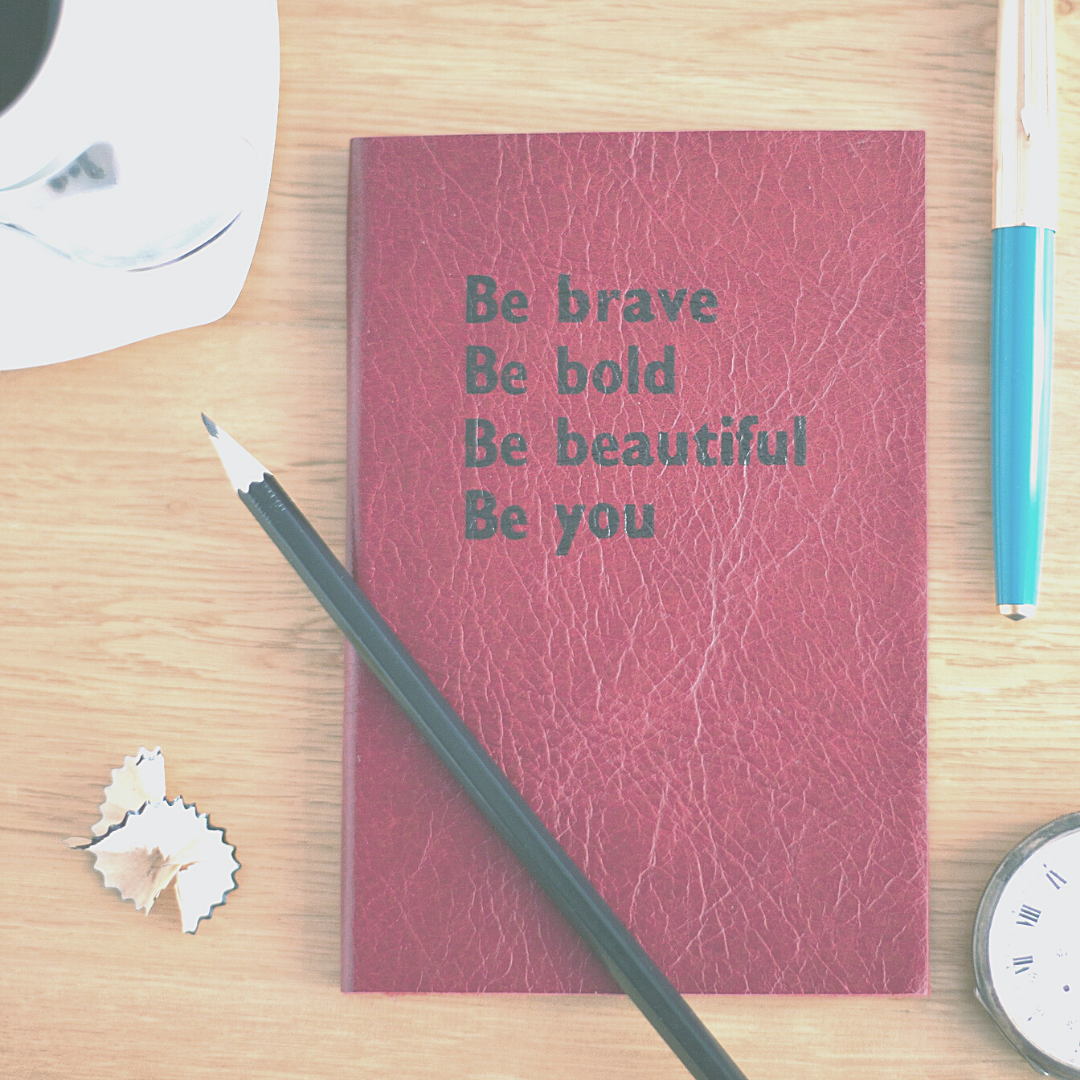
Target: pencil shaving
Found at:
163, 842
141, 779
143, 843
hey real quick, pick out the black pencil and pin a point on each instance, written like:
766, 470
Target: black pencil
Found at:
487, 785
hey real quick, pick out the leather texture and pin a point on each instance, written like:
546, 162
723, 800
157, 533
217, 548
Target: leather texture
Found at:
724, 724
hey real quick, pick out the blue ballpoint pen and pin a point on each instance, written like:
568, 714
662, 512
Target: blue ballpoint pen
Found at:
1024, 221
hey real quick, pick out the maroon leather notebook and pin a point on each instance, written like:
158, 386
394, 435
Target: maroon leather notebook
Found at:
637, 472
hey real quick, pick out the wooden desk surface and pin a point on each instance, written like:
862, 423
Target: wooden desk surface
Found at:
129, 597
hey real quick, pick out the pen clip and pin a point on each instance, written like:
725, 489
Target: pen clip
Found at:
1025, 116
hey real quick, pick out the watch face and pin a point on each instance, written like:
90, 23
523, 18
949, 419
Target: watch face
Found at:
1027, 947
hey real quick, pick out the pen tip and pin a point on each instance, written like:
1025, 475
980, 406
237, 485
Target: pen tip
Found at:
1016, 612
210, 425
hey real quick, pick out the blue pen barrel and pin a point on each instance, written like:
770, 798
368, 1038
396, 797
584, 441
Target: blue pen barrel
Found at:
1022, 347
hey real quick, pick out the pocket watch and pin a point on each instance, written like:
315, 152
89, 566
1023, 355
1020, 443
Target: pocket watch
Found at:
1027, 948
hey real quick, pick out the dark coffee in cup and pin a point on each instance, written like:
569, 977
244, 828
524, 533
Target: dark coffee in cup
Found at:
26, 32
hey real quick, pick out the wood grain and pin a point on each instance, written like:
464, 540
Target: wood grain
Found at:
132, 583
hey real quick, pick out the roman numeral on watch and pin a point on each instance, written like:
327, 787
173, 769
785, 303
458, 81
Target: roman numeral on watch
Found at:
1055, 879
1029, 916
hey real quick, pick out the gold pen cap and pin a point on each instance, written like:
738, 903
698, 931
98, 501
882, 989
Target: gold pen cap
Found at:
1025, 116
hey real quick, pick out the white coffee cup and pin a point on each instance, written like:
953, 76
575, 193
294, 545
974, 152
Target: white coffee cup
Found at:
140, 139
88, 169
48, 122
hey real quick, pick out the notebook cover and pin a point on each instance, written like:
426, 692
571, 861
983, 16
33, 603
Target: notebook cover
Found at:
718, 705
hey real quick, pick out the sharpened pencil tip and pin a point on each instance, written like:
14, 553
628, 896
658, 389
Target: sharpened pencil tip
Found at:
242, 468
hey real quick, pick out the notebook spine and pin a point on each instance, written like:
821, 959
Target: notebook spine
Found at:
354, 325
